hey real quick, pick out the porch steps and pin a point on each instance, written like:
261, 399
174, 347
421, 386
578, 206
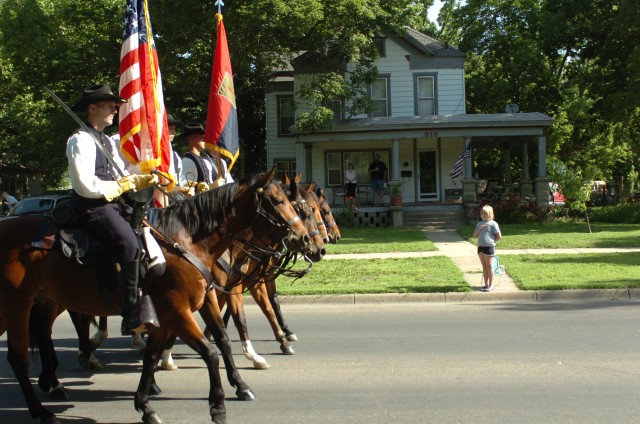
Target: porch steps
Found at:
441, 216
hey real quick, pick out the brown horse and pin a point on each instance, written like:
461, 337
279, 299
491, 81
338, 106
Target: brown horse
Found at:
202, 226
264, 290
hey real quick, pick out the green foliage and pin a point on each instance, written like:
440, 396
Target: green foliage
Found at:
347, 217
628, 213
575, 187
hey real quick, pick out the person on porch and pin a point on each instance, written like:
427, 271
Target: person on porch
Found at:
378, 171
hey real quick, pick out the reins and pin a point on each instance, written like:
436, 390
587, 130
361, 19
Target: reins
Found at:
264, 259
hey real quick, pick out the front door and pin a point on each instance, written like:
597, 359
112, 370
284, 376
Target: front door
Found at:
427, 175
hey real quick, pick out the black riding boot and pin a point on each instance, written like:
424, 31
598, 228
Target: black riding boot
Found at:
132, 322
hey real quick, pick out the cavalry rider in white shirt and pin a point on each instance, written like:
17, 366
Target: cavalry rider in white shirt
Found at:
96, 188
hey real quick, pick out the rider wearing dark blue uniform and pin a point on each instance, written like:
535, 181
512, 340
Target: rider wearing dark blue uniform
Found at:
96, 188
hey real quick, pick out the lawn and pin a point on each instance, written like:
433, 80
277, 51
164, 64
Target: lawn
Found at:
414, 275
440, 274
381, 240
580, 271
557, 235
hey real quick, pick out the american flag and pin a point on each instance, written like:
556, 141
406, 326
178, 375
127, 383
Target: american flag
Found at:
458, 167
222, 117
144, 133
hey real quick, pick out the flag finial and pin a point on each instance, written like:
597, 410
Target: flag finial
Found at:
219, 3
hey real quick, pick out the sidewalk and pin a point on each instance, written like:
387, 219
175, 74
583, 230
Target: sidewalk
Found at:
465, 256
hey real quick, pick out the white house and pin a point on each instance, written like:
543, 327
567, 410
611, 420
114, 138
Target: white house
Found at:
420, 128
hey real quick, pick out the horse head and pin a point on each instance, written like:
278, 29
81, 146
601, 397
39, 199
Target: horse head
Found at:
297, 197
327, 217
278, 206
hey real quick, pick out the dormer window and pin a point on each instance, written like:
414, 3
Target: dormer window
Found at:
381, 46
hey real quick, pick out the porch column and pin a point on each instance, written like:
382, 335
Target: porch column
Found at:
395, 160
542, 157
468, 182
468, 162
526, 184
307, 174
507, 165
542, 182
525, 161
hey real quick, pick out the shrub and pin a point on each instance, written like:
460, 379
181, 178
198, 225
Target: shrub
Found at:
513, 209
624, 213
348, 217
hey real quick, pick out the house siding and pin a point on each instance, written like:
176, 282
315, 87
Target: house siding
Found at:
401, 64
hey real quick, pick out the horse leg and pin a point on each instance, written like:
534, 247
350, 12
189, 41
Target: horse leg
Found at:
41, 321
101, 334
210, 313
235, 306
18, 358
185, 326
147, 383
261, 296
86, 346
275, 304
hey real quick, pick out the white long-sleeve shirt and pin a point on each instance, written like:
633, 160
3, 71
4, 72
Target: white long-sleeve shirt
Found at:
81, 154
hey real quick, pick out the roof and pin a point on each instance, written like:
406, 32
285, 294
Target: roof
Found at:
487, 126
430, 46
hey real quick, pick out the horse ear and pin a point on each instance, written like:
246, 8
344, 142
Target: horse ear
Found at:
293, 188
285, 178
269, 175
311, 187
298, 177
319, 192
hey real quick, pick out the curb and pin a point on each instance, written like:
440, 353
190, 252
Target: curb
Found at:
462, 297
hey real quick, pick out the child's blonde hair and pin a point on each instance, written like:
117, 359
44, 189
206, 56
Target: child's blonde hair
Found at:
488, 210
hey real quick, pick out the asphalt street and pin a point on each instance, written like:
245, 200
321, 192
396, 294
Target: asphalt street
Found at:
503, 362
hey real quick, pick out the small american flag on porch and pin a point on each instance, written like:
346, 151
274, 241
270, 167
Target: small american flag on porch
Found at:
458, 167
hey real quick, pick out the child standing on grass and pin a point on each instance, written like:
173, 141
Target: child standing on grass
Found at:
487, 232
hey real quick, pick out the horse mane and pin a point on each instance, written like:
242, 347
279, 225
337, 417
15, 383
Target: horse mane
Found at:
201, 213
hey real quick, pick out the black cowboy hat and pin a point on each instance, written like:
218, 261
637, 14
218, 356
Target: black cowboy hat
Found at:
95, 94
192, 128
171, 120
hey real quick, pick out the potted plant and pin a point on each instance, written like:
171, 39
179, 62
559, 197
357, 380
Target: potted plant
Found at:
395, 193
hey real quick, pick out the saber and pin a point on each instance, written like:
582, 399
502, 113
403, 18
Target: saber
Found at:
87, 130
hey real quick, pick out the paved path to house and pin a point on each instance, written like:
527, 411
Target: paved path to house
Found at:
463, 254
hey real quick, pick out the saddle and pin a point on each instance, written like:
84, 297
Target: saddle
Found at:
61, 232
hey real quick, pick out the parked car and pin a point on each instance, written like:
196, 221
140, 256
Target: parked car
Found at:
556, 197
38, 205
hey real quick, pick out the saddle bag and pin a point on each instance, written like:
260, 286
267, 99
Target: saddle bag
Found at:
75, 242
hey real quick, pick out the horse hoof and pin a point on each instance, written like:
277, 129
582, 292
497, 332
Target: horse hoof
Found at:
50, 420
287, 350
261, 365
292, 337
44, 386
168, 366
59, 393
246, 394
154, 390
152, 418
92, 363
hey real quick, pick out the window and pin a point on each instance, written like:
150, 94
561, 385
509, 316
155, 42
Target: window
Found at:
381, 46
380, 97
338, 111
334, 169
425, 95
285, 166
286, 115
